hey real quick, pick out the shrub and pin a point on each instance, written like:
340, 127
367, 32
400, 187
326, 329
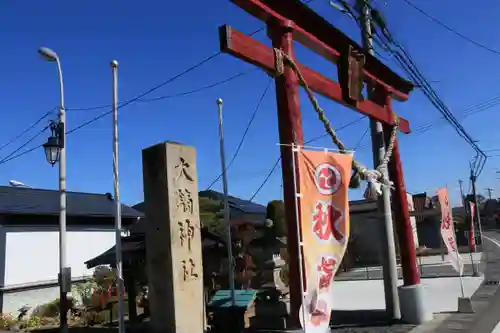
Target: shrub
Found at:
83, 293
32, 322
6, 321
47, 310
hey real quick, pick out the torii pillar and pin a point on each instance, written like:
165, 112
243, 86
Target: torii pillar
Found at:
291, 20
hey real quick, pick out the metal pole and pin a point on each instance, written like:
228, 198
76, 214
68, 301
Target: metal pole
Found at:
64, 272
471, 228
226, 205
295, 150
478, 210
389, 262
118, 208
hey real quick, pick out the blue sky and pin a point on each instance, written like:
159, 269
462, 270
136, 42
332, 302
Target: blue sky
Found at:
154, 40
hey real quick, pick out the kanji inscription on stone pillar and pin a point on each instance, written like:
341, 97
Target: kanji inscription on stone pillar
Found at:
173, 238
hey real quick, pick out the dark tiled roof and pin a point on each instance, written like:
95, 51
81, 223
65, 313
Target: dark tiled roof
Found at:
362, 206
134, 246
28, 201
245, 206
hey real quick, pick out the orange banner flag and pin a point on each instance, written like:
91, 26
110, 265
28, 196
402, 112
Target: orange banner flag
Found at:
324, 217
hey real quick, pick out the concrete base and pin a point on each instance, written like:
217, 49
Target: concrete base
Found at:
413, 308
476, 271
465, 305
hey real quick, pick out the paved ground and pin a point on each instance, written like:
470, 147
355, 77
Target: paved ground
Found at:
430, 267
485, 301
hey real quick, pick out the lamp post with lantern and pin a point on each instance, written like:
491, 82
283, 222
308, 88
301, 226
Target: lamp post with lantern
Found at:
55, 151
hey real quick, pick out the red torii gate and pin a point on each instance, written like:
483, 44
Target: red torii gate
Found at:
289, 20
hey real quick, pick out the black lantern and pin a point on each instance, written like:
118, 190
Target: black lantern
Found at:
53, 145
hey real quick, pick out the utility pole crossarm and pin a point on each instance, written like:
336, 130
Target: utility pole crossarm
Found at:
246, 48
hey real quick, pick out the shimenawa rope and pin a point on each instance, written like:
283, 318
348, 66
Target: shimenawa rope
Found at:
374, 177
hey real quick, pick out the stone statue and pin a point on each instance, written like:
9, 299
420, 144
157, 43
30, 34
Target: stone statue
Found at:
266, 253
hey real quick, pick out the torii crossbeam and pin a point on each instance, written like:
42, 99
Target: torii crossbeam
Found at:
289, 20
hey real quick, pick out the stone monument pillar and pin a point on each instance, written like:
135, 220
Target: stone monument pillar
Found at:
173, 239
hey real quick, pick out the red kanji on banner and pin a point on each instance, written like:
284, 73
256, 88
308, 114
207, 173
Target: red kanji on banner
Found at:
326, 269
446, 222
325, 218
451, 241
320, 313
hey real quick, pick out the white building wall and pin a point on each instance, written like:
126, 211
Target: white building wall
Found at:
32, 253
413, 219
13, 301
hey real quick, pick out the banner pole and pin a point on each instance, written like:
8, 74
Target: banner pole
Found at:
462, 284
295, 149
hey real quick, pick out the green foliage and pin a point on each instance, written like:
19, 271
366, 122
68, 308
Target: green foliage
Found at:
7, 321
31, 322
104, 277
47, 310
212, 215
83, 292
276, 213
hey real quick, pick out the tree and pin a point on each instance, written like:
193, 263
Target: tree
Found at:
212, 215
276, 212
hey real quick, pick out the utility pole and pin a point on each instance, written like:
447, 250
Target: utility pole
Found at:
489, 189
118, 209
471, 229
227, 216
478, 210
388, 248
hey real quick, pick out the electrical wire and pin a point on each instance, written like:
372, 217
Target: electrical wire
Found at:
138, 98
12, 156
459, 34
252, 118
429, 92
361, 139
186, 93
147, 92
27, 129
275, 165
407, 63
181, 94
9, 157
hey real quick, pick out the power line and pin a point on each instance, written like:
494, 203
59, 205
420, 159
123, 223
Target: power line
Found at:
361, 139
408, 65
181, 94
266, 179
27, 129
467, 112
459, 34
252, 118
5, 160
415, 74
275, 165
427, 89
12, 156
137, 98
339, 129
147, 92
186, 93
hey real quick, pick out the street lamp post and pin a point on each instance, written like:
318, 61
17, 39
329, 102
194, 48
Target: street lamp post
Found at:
55, 150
